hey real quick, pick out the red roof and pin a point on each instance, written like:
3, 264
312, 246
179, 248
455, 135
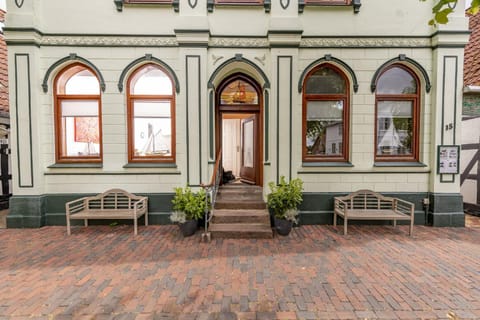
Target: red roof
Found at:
3, 69
471, 66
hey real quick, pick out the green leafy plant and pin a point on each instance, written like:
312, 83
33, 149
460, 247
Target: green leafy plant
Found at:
443, 8
192, 204
285, 197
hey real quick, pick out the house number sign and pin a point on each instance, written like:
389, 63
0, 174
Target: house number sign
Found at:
19, 3
448, 159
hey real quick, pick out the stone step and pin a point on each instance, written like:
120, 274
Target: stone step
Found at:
241, 230
240, 187
239, 196
232, 203
241, 216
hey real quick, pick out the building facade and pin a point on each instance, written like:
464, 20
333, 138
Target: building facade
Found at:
470, 178
144, 95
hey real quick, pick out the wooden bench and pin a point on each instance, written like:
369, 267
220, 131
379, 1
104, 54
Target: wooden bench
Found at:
112, 204
370, 205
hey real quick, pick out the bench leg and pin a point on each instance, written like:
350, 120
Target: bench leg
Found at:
85, 222
344, 225
68, 226
411, 228
394, 223
334, 219
135, 226
146, 218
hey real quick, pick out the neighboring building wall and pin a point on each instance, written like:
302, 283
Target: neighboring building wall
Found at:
471, 117
203, 48
4, 107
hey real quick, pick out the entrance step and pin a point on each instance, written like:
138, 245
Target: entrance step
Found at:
241, 216
241, 231
240, 212
239, 203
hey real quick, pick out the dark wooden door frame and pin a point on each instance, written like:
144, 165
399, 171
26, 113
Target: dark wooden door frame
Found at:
241, 109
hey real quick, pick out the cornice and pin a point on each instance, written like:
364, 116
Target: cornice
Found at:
35, 37
365, 42
108, 41
239, 42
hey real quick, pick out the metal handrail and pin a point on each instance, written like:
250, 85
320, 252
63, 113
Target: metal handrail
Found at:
211, 190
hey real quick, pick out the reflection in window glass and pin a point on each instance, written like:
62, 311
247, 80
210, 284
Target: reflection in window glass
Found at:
325, 80
152, 128
394, 127
239, 92
324, 127
151, 81
83, 82
396, 80
80, 128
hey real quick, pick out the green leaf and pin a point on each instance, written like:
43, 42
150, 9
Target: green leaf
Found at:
442, 16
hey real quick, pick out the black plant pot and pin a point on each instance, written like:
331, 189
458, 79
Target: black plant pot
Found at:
189, 227
283, 226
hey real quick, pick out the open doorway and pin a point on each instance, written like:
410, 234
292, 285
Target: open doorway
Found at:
239, 147
239, 129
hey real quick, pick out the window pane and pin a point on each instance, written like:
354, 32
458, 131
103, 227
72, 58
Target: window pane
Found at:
324, 132
394, 127
396, 81
325, 80
80, 130
239, 92
151, 81
83, 82
152, 127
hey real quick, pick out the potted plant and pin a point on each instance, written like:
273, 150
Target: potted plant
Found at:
283, 201
188, 208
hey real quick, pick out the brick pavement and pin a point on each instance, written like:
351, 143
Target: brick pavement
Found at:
103, 272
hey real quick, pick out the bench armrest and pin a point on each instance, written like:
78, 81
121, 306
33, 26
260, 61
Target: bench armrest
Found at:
76, 206
403, 206
140, 205
340, 206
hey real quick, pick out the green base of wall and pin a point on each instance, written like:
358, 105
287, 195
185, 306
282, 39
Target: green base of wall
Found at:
446, 210
38, 211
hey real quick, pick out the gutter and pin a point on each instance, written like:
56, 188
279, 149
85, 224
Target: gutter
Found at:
471, 89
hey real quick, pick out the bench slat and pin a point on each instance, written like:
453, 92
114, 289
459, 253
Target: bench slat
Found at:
106, 214
376, 215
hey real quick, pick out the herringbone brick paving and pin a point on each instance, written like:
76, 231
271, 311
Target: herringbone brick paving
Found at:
375, 272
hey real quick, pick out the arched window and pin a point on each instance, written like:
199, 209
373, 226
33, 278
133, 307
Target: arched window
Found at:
397, 115
78, 120
151, 115
326, 106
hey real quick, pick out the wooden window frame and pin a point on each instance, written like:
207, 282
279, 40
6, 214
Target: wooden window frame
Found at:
328, 2
148, 1
59, 97
240, 2
345, 97
415, 99
130, 119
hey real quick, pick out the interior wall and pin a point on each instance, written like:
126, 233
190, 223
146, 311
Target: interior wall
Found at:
231, 146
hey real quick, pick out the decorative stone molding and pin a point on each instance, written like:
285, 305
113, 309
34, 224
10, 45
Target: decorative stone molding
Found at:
366, 42
239, 42
261, 59
216, 58
105, 41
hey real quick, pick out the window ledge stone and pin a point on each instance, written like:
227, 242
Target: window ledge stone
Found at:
399, 164
151, 165
326, 164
